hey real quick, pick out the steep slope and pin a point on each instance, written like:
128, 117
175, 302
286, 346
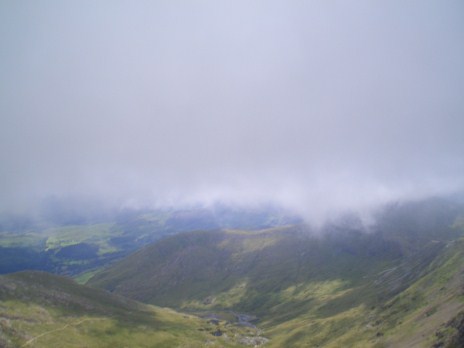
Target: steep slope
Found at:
42, 310
397, 284
193, 269
427, 313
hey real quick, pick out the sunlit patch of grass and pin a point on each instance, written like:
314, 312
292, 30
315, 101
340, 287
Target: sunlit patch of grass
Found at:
227, 299
14, 240
319, 290
84, 277
106, 249
311, 331
69, 235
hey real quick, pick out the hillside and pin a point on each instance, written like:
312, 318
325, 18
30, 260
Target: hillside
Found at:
65, 240
256, 265
398, 283
428, 312
42, 310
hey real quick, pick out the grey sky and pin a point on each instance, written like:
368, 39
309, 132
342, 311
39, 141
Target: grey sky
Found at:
319, 105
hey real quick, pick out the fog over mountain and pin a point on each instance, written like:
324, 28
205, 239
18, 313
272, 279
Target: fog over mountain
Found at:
319, 106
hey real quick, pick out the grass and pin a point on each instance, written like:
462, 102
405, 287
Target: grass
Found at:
42, 310
227, 299
91, 331
394, 287
84, 277
191, 267
99, 234
42, 244
355, 290
29, 239
409, 319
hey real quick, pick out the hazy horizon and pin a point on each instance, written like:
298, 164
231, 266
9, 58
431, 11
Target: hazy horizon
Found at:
316, 106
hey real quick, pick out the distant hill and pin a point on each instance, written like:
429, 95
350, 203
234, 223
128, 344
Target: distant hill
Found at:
397, 283
198, 265
70, 240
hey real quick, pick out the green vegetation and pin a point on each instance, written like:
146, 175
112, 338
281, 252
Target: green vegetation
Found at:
59, 237
28, 239
84, 277
392, 286
399, 284
194, 266
410, 319
371, 312
70, 244
41, 310
66, 250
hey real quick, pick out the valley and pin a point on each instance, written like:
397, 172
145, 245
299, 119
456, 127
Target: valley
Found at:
75, 243
397, 283
231, 174
38, 309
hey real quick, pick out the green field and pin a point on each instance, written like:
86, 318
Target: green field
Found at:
41, 310
74, 246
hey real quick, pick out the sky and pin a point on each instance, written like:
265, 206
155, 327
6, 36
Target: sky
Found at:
320, 106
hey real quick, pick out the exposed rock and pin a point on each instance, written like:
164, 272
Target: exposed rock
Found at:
451, 334
254, 341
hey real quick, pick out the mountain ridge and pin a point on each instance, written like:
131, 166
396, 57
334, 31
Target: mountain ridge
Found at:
334, 284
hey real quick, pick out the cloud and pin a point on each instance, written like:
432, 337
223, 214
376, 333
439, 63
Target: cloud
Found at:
320, 106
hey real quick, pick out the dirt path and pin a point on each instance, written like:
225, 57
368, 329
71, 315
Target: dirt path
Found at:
59, 329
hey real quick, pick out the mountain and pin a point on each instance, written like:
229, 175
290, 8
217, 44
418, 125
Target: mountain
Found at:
38, 309
396, 283
196, 265
70, 240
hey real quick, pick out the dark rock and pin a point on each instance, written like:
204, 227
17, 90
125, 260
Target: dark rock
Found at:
217, 333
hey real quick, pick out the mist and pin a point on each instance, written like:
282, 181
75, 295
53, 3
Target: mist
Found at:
319, 106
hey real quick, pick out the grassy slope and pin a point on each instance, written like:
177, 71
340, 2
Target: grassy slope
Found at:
64, 249
400, 285
42, 310
393, 287
409, 319
403, 305
74, 246
184, 271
